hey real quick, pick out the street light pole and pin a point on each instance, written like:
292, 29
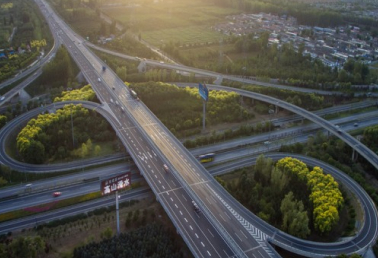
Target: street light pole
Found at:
73, 139
117, 212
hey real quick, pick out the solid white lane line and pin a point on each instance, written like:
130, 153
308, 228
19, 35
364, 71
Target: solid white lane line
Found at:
210, 232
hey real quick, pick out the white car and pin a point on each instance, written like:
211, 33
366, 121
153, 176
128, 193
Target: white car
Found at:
2, 98
99, 79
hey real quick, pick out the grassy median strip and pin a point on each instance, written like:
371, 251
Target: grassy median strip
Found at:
48, 206
56, 204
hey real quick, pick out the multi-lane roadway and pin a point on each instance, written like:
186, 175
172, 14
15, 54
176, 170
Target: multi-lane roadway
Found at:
203, 234
221, 229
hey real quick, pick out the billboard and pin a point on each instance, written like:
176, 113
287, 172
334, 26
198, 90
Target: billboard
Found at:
113, 184
203, 91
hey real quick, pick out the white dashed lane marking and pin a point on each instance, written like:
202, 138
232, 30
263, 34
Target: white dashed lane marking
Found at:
243, 234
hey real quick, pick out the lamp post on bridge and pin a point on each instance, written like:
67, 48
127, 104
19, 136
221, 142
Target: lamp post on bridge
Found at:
204, 93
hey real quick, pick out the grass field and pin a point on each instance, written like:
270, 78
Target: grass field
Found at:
177, 21
183, 35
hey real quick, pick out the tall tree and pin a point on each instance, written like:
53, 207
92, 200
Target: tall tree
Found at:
3, 120
294, 218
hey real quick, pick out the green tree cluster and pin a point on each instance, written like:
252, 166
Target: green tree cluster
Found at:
295, 219
243, 130
130, 46
9, 67
3, 120
292, 67
57, 74
84, 93
355, 72
50, 135
273, 195
325, 194
370, 137
152, 240
59, 70
336, 153
309, 101
182, 107
32, 247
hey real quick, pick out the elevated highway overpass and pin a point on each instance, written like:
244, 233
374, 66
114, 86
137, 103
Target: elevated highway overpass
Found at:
151, 145
222, 229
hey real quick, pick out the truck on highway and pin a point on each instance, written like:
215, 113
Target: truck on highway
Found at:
134, 95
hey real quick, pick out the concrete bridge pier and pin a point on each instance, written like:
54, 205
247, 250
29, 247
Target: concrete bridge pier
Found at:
354, 155
142, 67
218, 80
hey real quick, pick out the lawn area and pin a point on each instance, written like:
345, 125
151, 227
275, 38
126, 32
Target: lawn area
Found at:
184, 35
87, 26
178, 21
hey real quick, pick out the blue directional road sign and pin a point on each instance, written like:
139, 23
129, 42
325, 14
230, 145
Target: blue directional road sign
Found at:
203, 91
